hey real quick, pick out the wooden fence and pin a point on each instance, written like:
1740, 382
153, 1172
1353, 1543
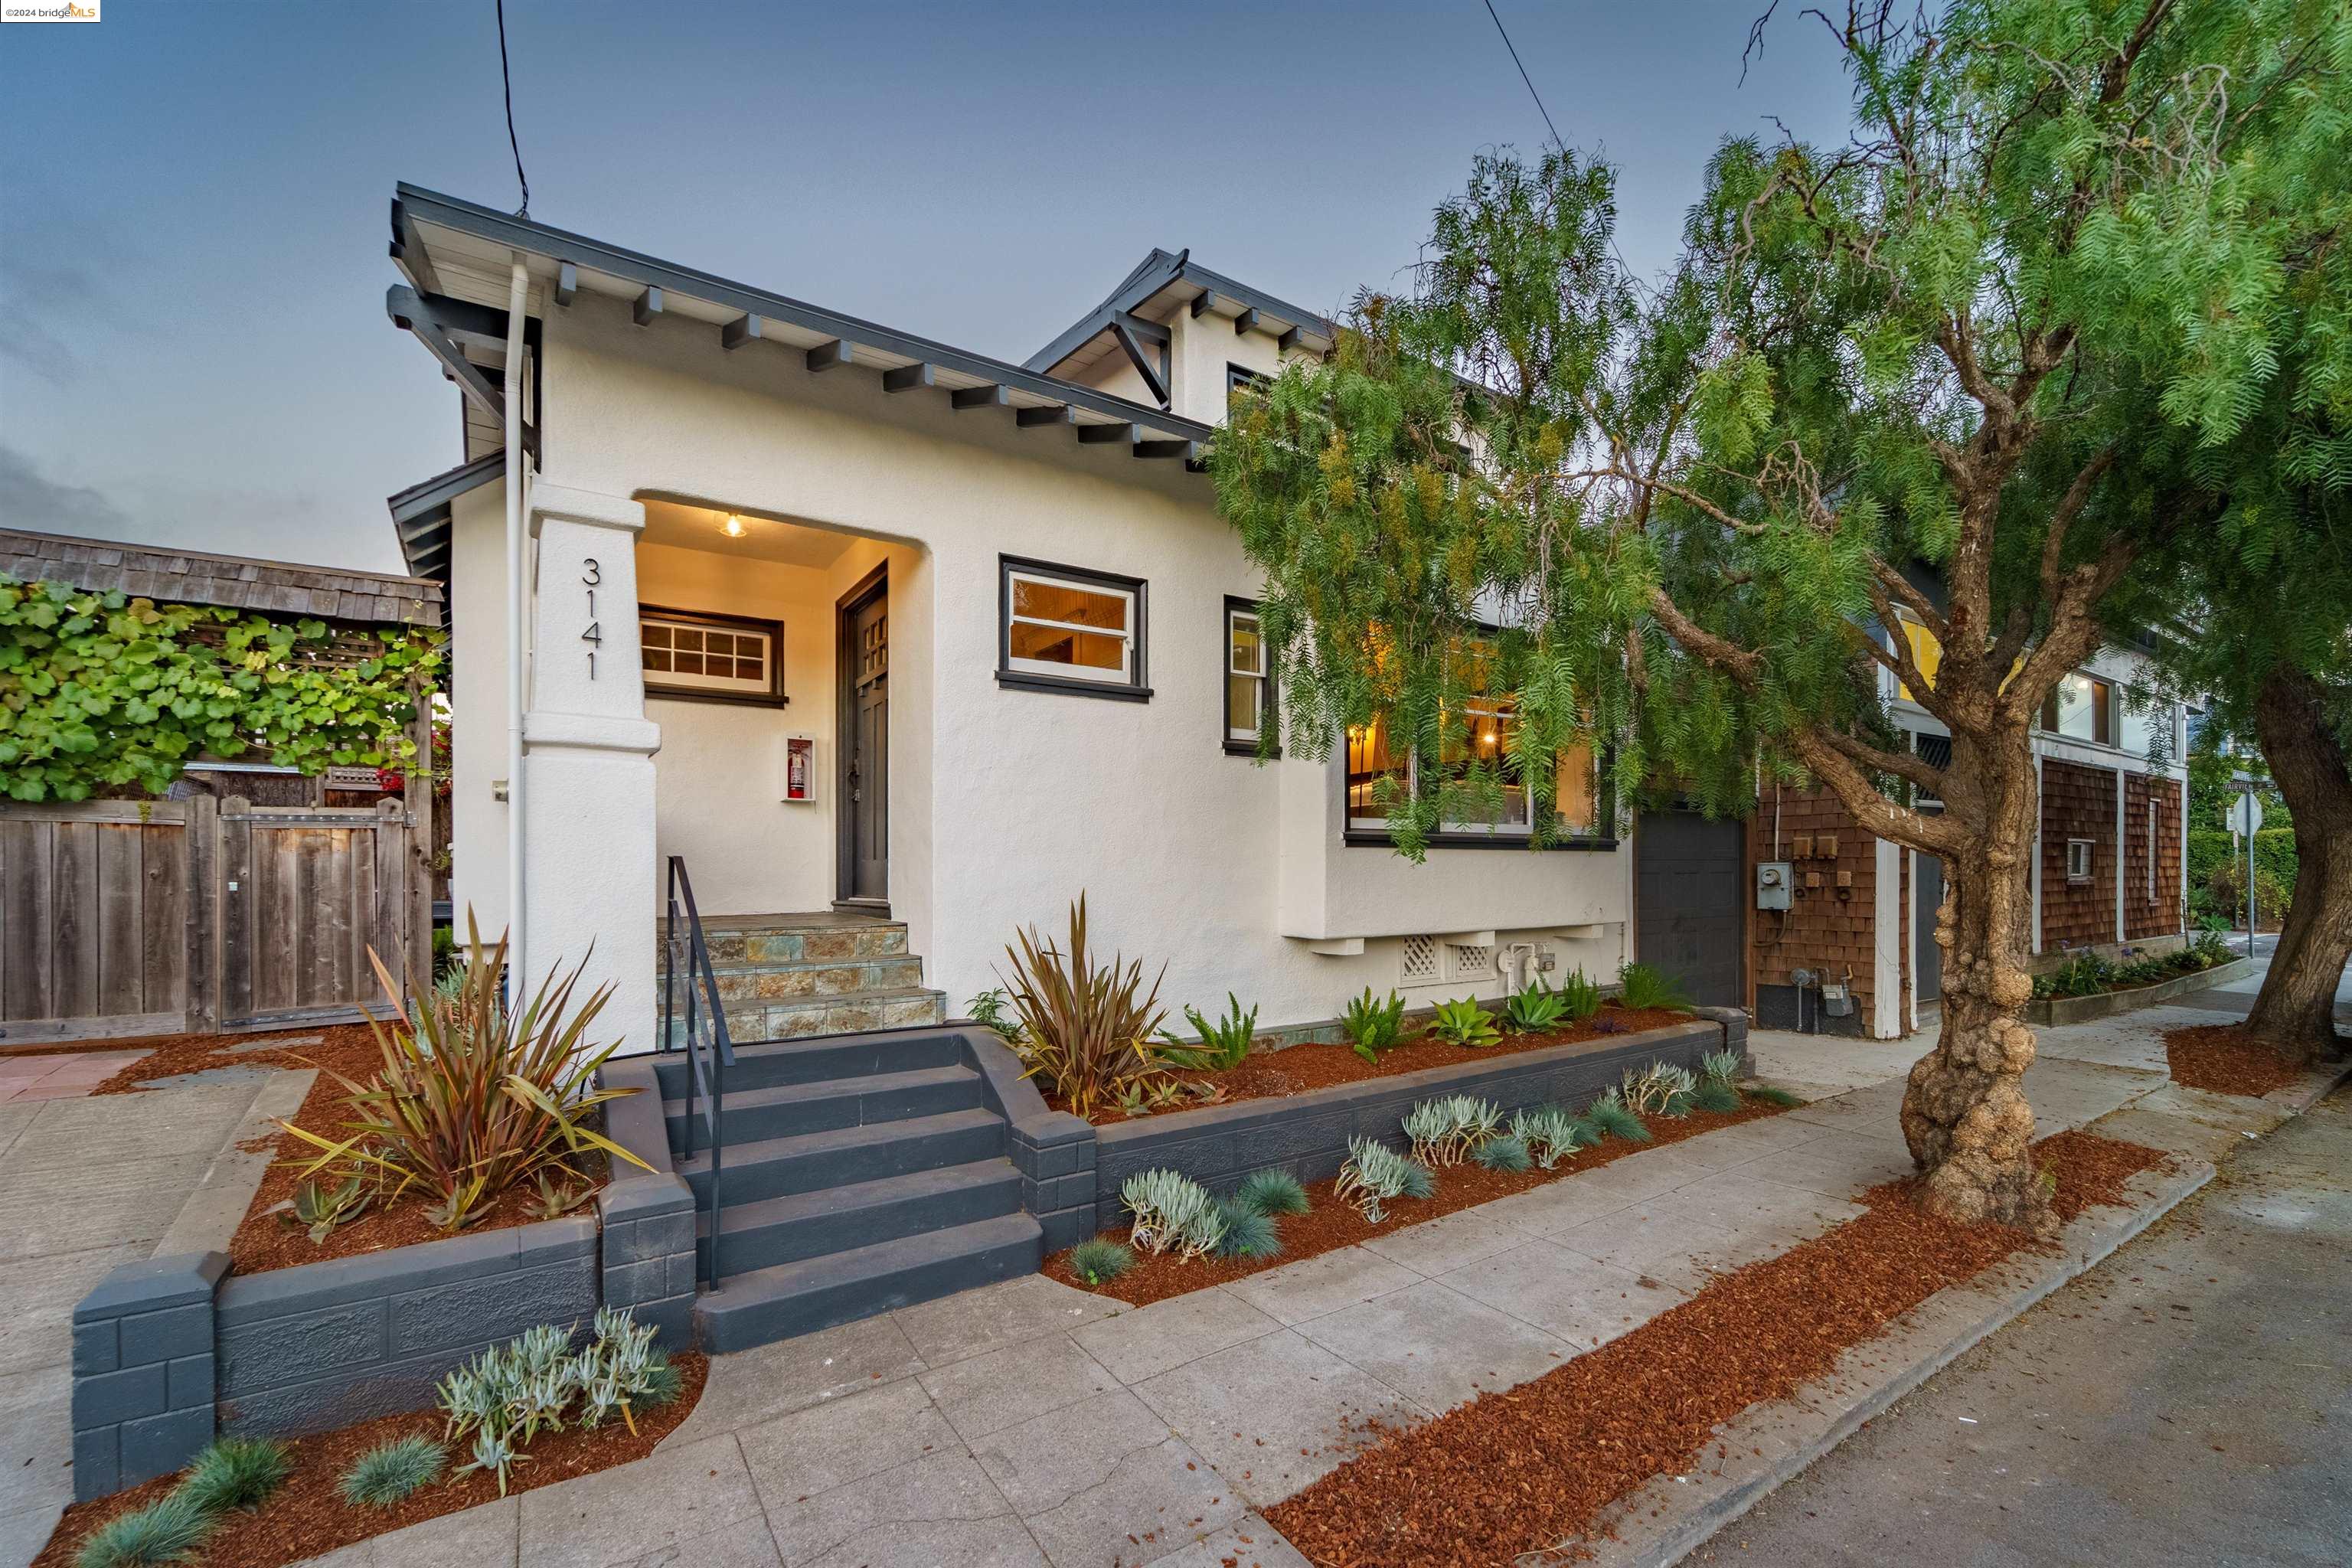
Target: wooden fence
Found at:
122, 918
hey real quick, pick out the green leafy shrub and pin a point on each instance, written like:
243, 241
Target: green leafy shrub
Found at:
1271, 1193
1099, 1261
1084, 1030
1713, 1095
2208, 948
389, 1473
1534, 1008
235, 1473
1172, 1213
1610, 1116
103, 691
1503, 1153
1375, 1175
1462, 1022
1547, 1133
1224, 1042
1374, 1026
1447, 1131
992, 1010
1641, 987
475, 1098
168, 1530
1580, 998
1248, 1233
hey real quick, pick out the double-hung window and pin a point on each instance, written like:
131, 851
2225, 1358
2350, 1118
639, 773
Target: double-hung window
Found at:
1249, 679
1066, 628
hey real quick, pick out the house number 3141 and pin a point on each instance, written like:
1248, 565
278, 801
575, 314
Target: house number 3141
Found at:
591, 574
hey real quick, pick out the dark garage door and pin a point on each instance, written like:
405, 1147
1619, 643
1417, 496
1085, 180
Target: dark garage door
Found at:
1691, 891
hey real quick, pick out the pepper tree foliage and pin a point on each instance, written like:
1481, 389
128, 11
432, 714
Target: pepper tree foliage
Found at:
2079, 274
101, 691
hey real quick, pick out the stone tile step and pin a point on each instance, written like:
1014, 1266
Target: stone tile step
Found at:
757, 939
747, 1115
761, 1065
769, 1304
777, 980
806, 1017
809, 1161
800, 1225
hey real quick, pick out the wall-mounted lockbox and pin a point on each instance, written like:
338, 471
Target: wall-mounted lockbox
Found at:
1773, 881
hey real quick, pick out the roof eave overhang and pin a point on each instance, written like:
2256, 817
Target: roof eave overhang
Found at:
1205, 292
576, 260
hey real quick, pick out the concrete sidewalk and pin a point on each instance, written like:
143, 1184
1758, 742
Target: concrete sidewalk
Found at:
1031, 1423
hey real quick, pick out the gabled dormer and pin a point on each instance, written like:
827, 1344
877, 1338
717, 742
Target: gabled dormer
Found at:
1176, 335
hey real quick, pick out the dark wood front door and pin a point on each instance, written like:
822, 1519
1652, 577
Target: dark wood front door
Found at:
864, 782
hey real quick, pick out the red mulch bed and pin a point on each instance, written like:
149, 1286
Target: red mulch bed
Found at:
2224, 1059
308, 1516
1330, 1223
264, 1241
1536, 1466
1294, 1070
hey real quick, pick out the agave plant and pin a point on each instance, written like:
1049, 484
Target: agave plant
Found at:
1462, 1022
475, 1097
1084, 1031
319, 1208
1374, 1026
1535, 1008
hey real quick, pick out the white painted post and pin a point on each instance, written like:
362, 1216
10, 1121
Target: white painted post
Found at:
1887, 941
590, 880
2035, 869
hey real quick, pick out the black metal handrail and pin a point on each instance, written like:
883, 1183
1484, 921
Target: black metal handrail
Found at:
709, 1051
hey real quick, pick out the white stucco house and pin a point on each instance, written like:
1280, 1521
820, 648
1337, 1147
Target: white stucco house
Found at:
893, 641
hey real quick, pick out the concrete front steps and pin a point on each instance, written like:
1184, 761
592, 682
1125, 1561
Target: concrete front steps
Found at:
857, 1176
795, 976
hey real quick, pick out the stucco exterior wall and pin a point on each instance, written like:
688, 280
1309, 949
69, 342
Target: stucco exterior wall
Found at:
478, 709
1006, 804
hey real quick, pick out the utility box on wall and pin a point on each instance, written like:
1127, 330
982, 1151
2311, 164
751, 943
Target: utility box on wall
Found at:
1772, 880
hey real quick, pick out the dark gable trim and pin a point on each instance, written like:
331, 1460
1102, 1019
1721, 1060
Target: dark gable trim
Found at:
1137, 691
416, 206
1225, 682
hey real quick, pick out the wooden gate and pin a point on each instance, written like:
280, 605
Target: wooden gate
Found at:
122, 918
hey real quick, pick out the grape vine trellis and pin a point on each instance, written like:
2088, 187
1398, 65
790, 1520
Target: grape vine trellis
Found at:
101, 691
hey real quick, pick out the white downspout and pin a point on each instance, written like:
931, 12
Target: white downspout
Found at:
517, 607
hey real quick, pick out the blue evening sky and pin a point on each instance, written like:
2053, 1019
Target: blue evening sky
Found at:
193, 344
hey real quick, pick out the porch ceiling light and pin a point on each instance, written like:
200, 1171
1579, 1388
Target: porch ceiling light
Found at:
733, 527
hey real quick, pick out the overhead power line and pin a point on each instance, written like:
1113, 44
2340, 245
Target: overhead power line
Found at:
1525, 78
506, 80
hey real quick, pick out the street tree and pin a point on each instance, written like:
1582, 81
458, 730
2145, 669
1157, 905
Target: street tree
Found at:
1961, 375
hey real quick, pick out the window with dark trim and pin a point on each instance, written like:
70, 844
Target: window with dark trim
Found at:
711, 657
1070, 629
1248, 678
1584, 818
1238, 376
2082, 707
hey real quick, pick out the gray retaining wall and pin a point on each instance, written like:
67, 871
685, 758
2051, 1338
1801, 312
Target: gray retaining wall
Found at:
324, 1345
1306, 1134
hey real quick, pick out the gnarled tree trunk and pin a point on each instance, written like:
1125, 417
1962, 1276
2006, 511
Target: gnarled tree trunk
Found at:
1965, 1116
2296, 1010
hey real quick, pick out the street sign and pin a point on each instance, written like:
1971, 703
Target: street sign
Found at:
2239, 810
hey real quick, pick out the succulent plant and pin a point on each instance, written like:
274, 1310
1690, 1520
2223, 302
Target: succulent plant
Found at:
1375, 1174
1172, 1213
1547, 1133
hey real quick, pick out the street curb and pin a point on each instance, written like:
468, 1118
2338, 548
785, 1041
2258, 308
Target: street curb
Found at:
1767, 1446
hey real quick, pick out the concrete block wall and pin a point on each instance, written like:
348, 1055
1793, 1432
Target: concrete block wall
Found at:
1054, 1150
1307, 1134
649, 1253
325, 1344
144, 1371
